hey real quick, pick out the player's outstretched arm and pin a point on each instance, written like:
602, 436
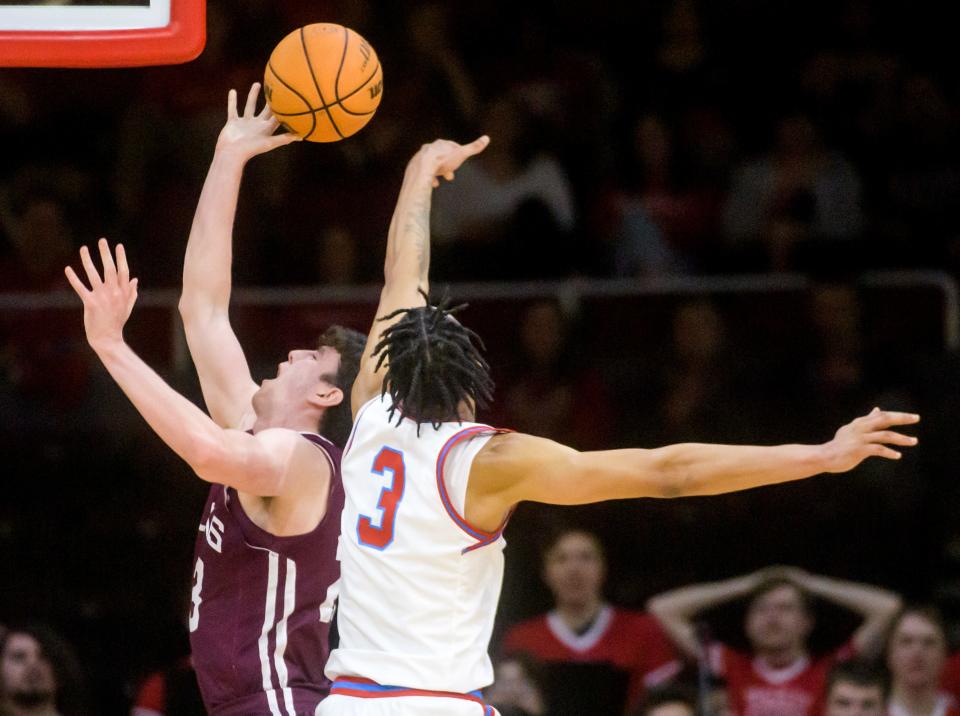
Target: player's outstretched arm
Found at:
406, 266
260, 465
221, 365
877, 606
676, 610
524, 467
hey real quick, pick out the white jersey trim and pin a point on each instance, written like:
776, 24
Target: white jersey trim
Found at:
289, 601
587, 640
270, 623
269, 612
782, 675
942, 705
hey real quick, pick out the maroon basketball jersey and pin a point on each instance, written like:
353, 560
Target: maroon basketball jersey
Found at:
261, 606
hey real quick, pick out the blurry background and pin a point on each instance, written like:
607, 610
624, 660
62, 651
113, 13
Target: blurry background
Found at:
723, 221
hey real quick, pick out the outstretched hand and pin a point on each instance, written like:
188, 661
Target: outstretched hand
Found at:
868, 436
443, 157
251, 133
109, 300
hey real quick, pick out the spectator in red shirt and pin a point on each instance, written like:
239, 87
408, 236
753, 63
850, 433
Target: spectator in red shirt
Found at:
855, 689
170, 692
916, 655
778, 677
950, 679
597, 658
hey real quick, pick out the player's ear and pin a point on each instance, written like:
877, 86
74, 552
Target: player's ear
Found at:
326, 396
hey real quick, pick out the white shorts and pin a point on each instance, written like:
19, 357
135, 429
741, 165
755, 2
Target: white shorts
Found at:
337, 705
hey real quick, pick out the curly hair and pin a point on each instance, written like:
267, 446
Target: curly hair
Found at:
433, 364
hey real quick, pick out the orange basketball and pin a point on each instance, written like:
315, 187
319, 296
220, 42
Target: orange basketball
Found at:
323, 82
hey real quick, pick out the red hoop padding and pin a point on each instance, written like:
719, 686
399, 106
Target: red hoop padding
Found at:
180, 41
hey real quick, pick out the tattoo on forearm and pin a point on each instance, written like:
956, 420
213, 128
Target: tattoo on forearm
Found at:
417, 231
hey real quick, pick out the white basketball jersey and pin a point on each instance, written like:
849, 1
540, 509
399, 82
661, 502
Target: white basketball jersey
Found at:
419, 586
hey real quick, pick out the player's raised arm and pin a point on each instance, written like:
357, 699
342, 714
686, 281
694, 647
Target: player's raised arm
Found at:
406, 266
521, 467
220, 362
259, 465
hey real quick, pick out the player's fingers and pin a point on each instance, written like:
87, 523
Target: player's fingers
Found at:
93, 276
123, 269
266, 112
272, 122
883, 419
232, 104
82, 291
477, 145
250, 109
884, 451
280, 140
106, 258
891, 437
436, 183
132, 298
448, 176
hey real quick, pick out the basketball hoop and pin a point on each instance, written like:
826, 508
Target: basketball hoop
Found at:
104, 34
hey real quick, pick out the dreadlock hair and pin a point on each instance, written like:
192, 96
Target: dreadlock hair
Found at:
433, 364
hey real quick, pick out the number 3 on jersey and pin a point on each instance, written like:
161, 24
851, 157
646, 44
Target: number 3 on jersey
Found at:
369, 534
195, 599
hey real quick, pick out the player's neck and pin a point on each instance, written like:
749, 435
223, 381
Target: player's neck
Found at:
914, 701
782, 658
300, 421
576, 615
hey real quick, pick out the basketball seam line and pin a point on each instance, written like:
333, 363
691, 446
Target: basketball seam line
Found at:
343, 58
340, 101
306, 54
313, 116
336, 84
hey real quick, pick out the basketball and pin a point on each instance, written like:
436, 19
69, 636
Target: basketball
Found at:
323, 82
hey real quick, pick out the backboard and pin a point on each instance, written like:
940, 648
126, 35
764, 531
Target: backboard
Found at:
100, 33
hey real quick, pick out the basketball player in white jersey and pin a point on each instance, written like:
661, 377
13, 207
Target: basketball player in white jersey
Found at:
428, 493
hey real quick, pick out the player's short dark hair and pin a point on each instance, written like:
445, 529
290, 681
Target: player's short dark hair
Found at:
672, 694
433, 364
768, 585
349, 344
860, 673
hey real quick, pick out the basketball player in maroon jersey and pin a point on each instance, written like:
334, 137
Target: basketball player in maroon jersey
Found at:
265, 567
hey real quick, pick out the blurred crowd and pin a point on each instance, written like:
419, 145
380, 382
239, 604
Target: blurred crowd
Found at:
631, 140
670, 136
585, 655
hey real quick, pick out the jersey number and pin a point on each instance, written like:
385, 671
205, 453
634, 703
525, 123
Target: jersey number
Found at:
195, 595
369, 534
